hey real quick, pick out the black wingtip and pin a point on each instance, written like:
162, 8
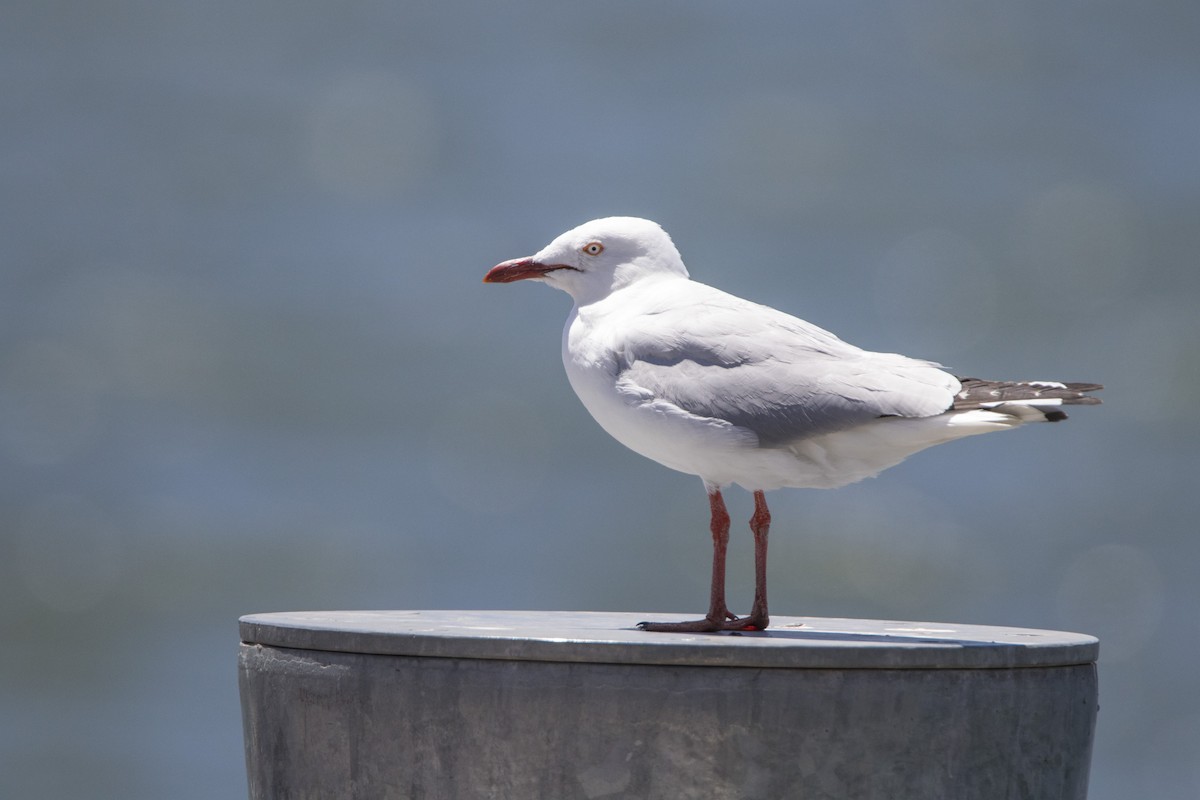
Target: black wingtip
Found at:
977, 393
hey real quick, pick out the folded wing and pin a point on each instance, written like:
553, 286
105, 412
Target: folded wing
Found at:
773, 374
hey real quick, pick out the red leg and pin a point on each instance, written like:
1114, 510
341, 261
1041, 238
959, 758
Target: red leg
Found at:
719, 525
760, 524
718, 617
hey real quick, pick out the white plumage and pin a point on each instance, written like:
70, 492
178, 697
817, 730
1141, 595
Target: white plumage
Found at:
713, 385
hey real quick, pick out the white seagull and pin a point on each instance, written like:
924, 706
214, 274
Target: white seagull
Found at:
732, 391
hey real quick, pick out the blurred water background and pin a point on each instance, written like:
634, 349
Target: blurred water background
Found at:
247, 363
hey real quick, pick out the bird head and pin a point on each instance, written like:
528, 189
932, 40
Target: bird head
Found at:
595, 259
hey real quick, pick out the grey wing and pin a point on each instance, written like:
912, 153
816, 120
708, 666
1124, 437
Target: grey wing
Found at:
777, 376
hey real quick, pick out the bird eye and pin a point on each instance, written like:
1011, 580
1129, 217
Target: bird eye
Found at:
593, 248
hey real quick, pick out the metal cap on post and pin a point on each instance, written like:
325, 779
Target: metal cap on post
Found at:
465, 704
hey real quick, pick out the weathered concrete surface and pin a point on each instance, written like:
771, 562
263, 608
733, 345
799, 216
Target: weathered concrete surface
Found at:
328, 724
595, 637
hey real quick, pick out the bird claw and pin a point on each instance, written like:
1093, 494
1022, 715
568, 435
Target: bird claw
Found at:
754, 622
692, 626
729, 622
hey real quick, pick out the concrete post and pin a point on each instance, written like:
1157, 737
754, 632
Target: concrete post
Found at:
558, 705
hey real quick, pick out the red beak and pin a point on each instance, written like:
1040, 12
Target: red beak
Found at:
519, 269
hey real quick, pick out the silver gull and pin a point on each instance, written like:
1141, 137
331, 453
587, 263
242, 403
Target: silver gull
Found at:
733, 391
